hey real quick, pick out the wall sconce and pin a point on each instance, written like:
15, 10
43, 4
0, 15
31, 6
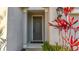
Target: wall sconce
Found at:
59, 10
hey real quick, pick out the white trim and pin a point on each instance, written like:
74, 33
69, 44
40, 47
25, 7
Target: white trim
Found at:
42, 26
46, 25
25, 30
35, 8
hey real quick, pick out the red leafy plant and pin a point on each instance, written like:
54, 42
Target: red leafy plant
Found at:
72, 42
67, 10
67, 25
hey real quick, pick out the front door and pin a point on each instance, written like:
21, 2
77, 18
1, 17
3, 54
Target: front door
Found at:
37, 29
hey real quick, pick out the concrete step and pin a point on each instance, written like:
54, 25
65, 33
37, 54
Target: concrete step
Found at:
34, 45
33, 49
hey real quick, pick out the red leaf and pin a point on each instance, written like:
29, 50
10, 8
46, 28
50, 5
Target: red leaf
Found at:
78, 27
58, 22
66, 39
71, 40
69, 18
75, 22
50, 24
72, 19
67, 10
75, 40
76, 44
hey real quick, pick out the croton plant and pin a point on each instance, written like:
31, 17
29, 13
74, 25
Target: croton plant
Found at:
67, 25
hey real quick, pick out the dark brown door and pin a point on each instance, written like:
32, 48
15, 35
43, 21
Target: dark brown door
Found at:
37, 28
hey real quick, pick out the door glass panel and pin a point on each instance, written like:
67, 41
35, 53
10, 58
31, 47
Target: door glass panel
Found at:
37, 28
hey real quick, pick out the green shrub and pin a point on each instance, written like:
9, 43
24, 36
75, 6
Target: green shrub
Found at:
47, 47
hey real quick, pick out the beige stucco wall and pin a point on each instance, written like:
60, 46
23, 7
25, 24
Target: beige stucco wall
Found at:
53, 33
15, 28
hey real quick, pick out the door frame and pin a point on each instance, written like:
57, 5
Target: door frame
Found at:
42, 26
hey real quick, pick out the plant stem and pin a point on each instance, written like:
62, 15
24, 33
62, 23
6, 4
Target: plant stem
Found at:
59, 36
75, 35
70, 33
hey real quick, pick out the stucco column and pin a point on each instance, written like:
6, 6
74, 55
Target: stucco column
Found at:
46, 24
25, 29
53, 33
